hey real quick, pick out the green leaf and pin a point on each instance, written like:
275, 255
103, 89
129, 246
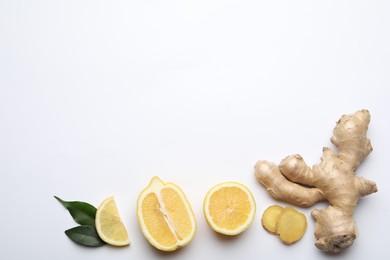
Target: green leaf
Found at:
85, 235
82, 212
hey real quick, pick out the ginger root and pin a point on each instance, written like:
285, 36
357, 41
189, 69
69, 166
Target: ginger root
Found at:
333, 180
288, 223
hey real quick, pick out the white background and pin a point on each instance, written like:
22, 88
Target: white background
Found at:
96, 97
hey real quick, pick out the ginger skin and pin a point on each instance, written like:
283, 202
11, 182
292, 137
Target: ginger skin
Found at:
333, 180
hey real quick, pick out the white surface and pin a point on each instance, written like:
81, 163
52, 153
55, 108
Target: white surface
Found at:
96, 97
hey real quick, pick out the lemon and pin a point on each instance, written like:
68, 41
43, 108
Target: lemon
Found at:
229, 208
165, 216
109, 224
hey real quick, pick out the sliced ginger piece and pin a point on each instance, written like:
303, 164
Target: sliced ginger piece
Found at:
291, 225
270, 217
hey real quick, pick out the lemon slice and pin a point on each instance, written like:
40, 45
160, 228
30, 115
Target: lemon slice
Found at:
109, 224
165, 216
229, 208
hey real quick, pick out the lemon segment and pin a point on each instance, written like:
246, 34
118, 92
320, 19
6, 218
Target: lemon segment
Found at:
165, 216
229, 208
109, 224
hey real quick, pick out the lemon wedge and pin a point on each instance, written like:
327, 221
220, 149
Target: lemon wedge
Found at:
109, 224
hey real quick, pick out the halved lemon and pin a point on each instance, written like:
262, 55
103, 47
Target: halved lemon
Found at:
165, 215
229, 208
109, 224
